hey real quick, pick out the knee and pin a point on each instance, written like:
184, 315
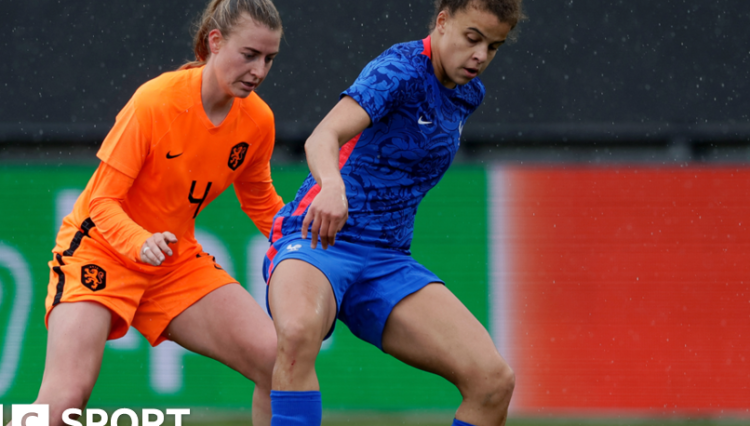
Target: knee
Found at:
490, 383
297, 338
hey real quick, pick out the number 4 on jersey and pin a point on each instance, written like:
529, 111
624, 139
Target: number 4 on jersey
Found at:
198, 201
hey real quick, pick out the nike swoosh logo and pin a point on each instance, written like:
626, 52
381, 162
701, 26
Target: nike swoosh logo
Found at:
169, 157
423, 121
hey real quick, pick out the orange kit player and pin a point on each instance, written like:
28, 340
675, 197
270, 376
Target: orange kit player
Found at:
127, 254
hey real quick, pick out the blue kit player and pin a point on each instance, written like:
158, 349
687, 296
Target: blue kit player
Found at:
388, 141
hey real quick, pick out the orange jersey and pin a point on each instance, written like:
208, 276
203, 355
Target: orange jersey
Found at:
164, 162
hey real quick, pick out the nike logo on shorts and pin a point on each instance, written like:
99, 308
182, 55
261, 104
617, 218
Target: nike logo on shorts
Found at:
169, 157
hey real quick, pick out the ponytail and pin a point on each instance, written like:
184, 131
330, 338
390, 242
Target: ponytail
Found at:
224, 15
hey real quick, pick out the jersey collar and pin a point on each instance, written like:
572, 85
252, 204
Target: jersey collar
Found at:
427, 47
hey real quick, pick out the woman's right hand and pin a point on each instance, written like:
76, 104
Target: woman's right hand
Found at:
330, 209
328, 214
156, 246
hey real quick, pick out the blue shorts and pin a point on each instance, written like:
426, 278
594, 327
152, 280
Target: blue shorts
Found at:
367, 281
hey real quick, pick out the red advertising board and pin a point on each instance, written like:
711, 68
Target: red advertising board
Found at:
624, 289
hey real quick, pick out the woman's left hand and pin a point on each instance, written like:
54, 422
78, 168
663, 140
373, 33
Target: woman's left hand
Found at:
156, 246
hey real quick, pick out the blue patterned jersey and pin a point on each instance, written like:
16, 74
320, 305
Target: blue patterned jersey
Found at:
388, 169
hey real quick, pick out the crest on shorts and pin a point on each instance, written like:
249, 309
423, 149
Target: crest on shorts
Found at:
237, 155
94, 277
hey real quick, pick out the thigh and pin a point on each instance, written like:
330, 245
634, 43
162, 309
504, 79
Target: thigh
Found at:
75, 345
301, 296
307, 283
230, 327
172, 293
433, 331
90, 275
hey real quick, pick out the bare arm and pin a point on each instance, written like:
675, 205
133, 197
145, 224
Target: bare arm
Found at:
329, 211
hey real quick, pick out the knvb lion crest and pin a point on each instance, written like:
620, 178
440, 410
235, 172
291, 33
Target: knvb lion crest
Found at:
237, 155
94, 277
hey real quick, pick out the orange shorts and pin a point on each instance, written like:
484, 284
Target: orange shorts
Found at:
148, 302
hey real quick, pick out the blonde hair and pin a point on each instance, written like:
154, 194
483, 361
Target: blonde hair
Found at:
223, 15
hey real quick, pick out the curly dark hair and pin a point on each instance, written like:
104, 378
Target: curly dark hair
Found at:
508, 11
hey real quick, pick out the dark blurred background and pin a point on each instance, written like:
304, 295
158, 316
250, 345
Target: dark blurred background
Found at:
586, 80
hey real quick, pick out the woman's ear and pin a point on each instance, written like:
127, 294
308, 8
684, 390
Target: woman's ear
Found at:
442, 21
215, 40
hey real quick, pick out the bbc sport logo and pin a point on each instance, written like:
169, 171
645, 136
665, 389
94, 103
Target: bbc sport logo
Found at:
38, 415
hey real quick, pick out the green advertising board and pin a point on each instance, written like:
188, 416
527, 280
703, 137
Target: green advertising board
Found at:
450, 239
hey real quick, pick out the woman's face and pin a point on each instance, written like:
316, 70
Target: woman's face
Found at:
242, 60
468, 43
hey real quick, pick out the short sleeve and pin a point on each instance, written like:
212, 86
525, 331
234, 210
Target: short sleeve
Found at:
127, 145
383, 84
